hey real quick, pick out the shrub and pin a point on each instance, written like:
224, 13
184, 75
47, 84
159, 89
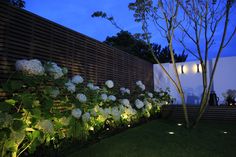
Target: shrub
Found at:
45, 107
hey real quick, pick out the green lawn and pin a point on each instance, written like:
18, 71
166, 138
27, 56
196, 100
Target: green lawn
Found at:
153, 140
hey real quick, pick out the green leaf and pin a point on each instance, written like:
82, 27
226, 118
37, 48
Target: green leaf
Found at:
27, 100
12, 86
18, 136
18, 125
11, 101
5, 107
35, 134
5, 133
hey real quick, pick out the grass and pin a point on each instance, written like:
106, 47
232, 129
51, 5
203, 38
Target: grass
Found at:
153, 140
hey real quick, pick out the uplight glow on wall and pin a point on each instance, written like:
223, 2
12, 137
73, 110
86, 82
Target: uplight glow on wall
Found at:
183, 69
197, 68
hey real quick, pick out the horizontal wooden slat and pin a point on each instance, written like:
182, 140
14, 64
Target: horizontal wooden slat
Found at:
26, 35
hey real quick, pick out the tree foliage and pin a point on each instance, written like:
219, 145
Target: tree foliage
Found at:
134, 45
16, 3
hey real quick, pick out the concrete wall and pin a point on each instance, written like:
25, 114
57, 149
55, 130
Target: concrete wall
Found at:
225, 76
191, 80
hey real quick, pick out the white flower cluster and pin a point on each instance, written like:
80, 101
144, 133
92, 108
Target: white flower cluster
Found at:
148, 105
46, 126
86, 117
81, 97
104, 97
77, 79
125, 102
54, 70
138, 103
92, 87
112, 98
70, 86
109, 83
150, 94
124, 90
140, 85
31, 67
76, 113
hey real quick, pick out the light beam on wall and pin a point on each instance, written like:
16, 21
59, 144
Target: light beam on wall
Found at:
197, 68
182, 69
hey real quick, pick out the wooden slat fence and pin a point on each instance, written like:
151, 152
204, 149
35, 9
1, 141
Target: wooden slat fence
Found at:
24, 35
220, 113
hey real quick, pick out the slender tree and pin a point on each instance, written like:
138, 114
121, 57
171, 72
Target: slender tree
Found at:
203, 20
164, 16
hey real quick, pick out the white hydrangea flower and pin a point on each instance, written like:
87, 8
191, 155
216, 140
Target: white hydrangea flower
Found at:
162, 94
139, 83
70, 86
148, 105
122, 108
109, 83
115, 113
142, 87
65, 120
125, 102
31, 67
154, 99
46, 126
150, 94
146, 113
77, 79
96, 88
21, 65
104, 97
94, 111
107, 110
55, 92
127, 91
86, 117
54, 70
112, 98
81, 97
90, 86
76, 113
124, 90
138, 103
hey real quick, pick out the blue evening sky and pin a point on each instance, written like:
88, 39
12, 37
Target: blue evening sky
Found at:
76, 15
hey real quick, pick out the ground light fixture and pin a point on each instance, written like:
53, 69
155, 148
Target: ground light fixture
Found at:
171, 133
179, 124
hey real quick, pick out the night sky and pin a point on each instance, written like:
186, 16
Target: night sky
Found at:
76, 15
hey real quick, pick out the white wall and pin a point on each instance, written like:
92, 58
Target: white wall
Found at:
225, 76
191, 80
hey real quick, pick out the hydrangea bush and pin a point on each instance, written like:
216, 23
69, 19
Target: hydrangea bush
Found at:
45, 107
